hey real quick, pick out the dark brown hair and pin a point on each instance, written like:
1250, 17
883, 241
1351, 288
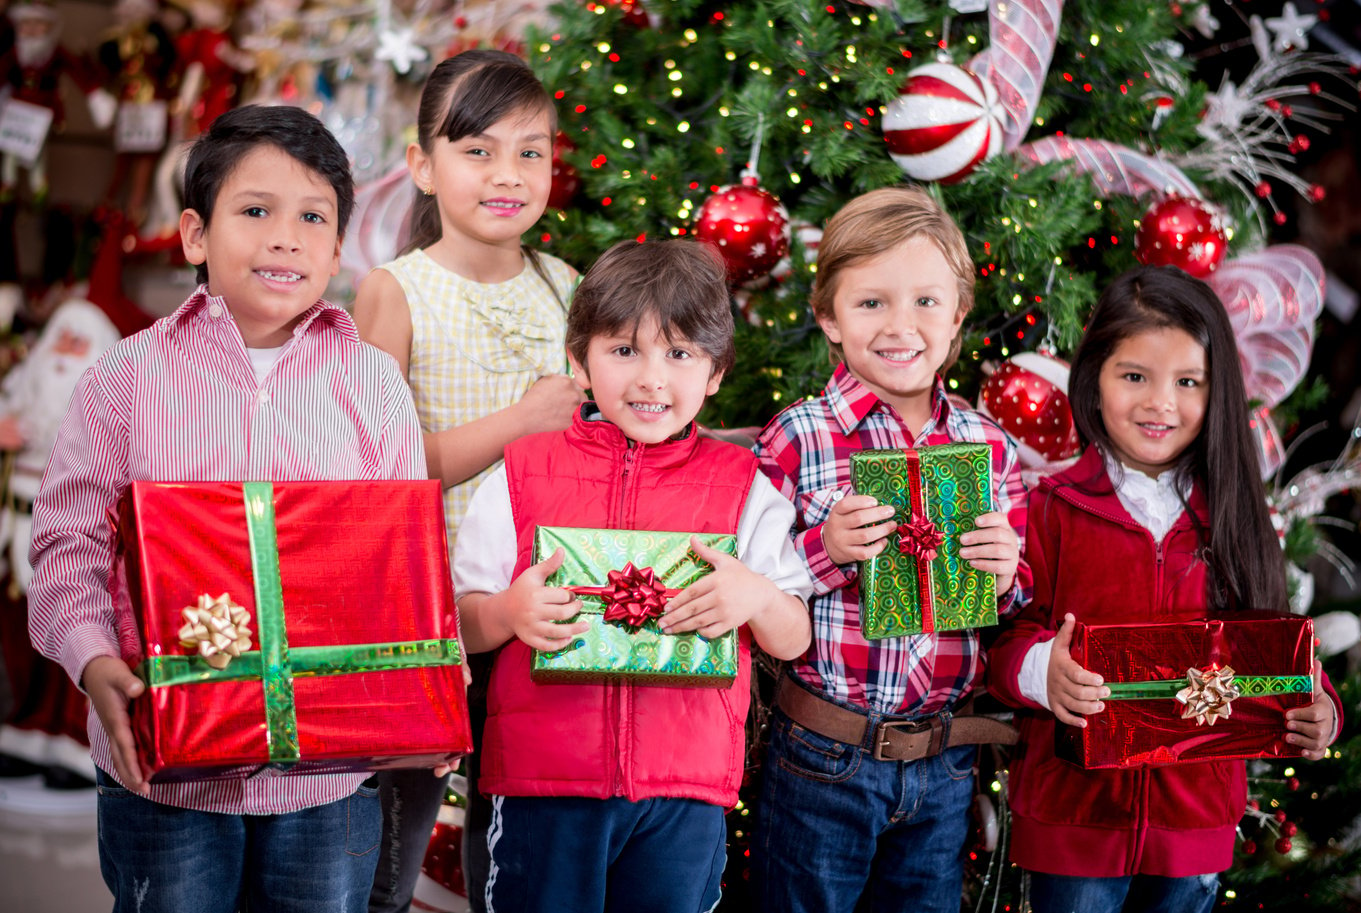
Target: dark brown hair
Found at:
683, 284
1247, 569
878, 221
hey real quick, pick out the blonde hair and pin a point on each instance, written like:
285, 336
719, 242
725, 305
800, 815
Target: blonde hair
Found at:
878, 221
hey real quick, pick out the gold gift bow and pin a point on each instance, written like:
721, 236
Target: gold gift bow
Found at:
1208, 695
219, 628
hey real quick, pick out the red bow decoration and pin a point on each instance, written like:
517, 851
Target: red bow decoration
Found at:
920, 537
632, 595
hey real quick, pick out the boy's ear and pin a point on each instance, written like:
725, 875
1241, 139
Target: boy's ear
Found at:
579, 373
715, 381
193, 237
832, 331
418, 163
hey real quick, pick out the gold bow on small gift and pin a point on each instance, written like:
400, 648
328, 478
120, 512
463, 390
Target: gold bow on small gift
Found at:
1208, 694
219, 628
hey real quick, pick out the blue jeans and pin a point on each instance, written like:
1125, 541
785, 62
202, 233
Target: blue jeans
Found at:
613, 855
157, 858
1129, 894
837, 830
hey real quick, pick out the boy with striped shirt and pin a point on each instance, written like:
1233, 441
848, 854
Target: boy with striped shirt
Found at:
253, 377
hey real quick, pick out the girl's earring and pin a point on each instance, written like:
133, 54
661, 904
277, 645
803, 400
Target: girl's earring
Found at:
429, 191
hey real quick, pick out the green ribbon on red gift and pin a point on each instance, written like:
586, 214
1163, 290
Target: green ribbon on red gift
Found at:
1208, 693
275, 663
918, 536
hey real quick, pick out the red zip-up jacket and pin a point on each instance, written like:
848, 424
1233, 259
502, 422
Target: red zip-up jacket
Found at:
617, 739
1091, 558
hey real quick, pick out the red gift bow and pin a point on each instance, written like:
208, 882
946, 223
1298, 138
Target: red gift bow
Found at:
920, 537
632, 595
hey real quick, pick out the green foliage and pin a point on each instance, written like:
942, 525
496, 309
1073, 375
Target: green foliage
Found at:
663, 116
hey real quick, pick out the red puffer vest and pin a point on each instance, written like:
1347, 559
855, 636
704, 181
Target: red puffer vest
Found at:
617, 739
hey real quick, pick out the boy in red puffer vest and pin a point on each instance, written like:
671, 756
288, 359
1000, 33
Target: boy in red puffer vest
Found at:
611, 796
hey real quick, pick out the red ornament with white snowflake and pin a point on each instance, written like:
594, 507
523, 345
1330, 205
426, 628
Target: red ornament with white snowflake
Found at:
1184, 233
566, 181
749, 227
1027, 395
943, 123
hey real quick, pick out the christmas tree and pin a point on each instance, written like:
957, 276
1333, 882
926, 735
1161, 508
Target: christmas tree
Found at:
1070, 141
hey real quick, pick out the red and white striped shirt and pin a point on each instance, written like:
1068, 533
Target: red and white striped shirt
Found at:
179, 402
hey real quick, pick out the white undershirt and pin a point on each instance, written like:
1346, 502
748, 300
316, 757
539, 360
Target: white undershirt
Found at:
261, 360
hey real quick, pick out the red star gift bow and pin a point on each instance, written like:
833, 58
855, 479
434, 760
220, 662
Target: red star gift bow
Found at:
920, 537
632, 596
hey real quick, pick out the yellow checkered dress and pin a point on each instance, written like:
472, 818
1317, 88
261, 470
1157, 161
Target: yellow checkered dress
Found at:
476, 347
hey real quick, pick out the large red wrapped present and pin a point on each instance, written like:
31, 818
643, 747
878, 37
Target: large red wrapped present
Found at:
306, 625
1192, 691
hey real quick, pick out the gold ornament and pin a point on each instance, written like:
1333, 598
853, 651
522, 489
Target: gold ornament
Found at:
1208, 695
218, 628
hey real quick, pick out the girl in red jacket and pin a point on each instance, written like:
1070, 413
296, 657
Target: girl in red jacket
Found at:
1164, 518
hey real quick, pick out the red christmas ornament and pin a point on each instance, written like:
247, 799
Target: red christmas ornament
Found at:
943, 123
1290, 828
1027, 395
1284, 845
1250, 847
1280, 817
444, 858
632, 10
566, 181
748, 225
1182, 233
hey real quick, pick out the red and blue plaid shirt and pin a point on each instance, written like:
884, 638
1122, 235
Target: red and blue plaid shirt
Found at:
805, 451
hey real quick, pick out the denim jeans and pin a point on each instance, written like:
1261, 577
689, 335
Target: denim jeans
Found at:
1130, 894
554, 854
839, 831
157, 858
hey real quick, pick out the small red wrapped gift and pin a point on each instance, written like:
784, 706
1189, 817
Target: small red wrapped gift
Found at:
306, 625
1192, 691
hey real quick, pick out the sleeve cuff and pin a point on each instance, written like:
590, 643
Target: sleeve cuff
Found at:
1033, 680
828, 576
83, 645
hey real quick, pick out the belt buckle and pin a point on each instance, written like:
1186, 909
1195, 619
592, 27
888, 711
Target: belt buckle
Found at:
909, 726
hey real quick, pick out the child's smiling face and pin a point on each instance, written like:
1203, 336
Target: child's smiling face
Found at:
647, 385
272, 246
895, 316
1154, 392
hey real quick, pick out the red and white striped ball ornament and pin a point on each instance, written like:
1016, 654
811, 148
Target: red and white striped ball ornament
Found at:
943, 123
1027, 395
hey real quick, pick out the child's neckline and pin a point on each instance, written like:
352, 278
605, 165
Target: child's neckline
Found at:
524, 266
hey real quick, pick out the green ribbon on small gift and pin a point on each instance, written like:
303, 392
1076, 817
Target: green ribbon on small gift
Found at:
1208, 694
275, 663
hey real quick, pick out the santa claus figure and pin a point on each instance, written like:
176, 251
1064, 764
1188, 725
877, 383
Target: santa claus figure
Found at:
46, 725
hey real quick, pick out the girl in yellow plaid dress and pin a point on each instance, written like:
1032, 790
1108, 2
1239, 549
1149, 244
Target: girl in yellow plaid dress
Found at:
477, 323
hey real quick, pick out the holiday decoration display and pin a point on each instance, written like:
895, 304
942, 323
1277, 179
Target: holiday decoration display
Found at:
749, 227
1192, 691
624, 579
1028, 396
919, 584
1182, 233
943, 123
308, 625
1021, 36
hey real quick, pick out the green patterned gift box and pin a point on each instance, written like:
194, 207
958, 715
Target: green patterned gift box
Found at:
919, 584
624, 579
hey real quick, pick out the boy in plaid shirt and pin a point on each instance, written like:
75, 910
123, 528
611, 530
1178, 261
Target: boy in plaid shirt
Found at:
868, 749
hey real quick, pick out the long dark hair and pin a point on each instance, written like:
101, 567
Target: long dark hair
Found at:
1247, 569
463, 96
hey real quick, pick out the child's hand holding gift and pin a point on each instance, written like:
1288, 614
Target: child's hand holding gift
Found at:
528, 609
1312, 728
1073, 691
857, 528
734, 595
993, 547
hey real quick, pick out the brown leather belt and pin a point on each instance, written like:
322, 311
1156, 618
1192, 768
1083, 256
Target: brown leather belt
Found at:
894, 740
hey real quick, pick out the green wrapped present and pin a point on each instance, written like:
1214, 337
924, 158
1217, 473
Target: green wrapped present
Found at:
624, 579
918, 584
